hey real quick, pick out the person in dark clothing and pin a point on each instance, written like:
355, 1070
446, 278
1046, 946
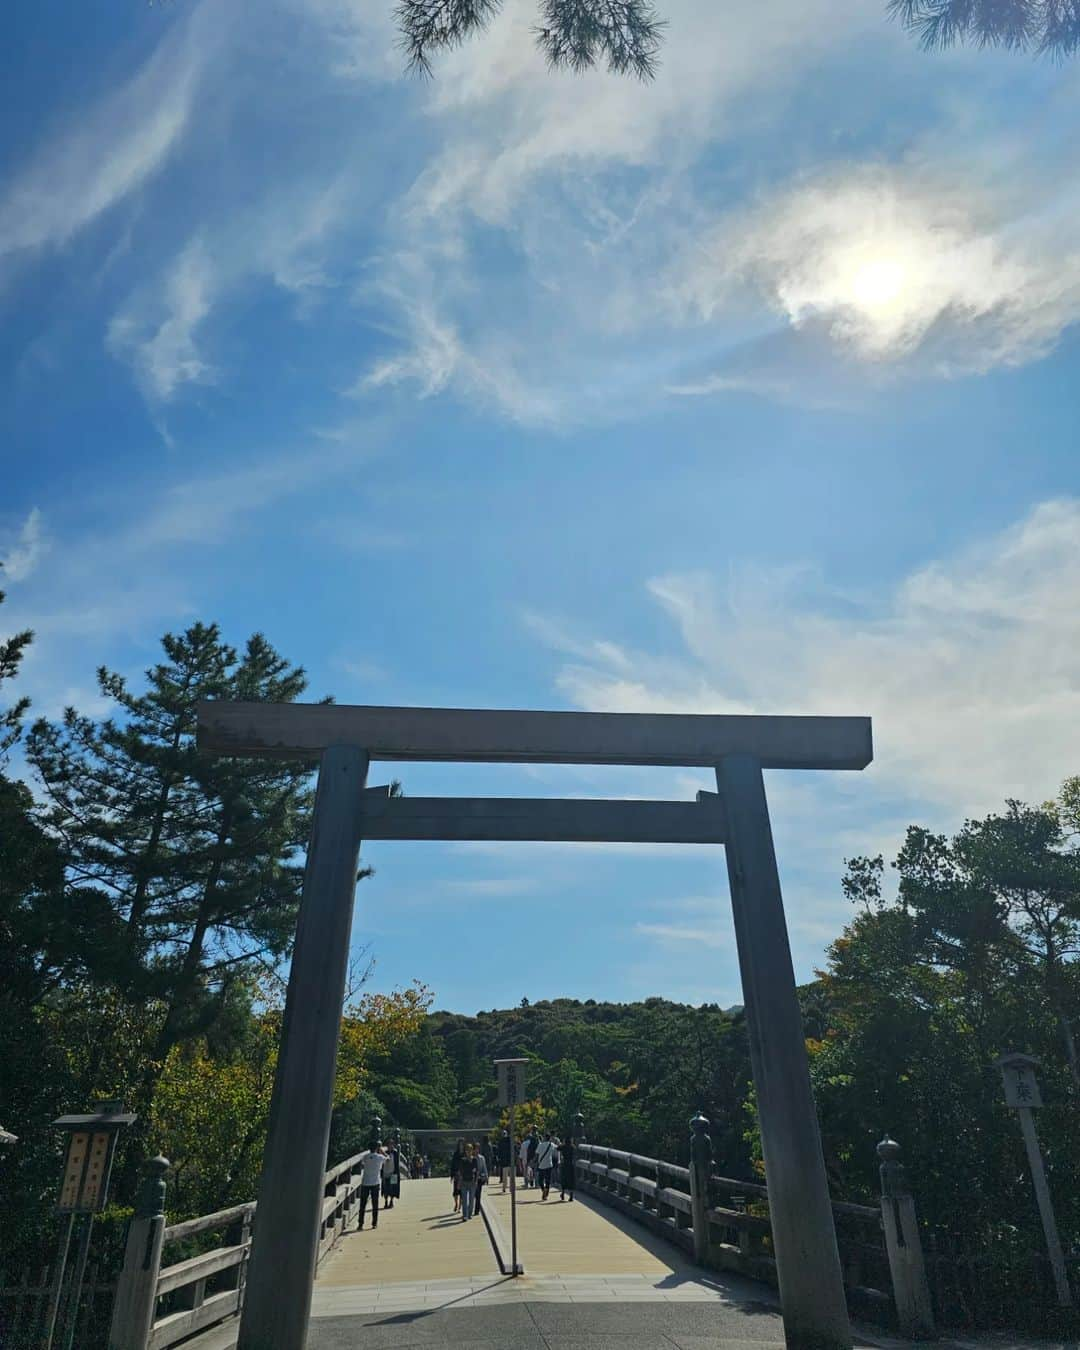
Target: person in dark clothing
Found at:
467, 1170
391, 1184
530, 1166
482, 1176
566, 1170
506, 1151
455, 1173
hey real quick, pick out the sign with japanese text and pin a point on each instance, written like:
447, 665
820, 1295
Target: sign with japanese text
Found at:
511, 1081
86, 1171
1021, 1089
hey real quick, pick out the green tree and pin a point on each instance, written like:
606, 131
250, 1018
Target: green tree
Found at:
973, 954
196, 855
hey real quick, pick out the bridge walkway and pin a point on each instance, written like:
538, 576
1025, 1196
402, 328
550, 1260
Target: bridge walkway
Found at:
423, 1258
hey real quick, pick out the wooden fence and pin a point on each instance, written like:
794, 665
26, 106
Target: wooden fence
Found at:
202, 1284
198, 1291
24, 1300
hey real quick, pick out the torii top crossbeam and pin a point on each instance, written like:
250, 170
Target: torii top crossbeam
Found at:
305, 730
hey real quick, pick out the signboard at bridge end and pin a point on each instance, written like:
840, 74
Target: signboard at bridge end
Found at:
511, 1081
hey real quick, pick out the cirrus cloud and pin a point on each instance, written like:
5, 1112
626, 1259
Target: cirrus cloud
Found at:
894, 260
969, 665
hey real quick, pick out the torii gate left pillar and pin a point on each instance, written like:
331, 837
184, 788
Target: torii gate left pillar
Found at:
278, 1289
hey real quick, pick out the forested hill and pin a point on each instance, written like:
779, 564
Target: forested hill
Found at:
637, 1071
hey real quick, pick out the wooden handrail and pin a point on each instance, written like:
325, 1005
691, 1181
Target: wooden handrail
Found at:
194, 1272
207, 1222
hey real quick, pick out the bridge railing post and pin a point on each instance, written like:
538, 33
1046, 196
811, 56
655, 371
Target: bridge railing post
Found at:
136, 1291
911, 1292
700, 1171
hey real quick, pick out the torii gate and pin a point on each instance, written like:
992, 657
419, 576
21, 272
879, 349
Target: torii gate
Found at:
343, 740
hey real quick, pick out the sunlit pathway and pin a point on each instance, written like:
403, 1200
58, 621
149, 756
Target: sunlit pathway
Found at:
422, 1258
417, 1242
578, 1238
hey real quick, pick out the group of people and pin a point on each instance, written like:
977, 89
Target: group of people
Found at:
540, 1160
380, 1173
470, 1172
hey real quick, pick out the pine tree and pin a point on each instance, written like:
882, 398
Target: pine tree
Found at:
197, 855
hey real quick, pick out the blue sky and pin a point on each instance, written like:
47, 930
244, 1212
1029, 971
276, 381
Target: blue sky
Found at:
753, 389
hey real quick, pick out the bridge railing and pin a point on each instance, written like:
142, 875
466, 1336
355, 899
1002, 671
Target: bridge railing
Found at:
158, 1305
724, 1223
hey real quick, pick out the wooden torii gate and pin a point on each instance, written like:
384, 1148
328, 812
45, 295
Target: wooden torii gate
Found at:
343, 740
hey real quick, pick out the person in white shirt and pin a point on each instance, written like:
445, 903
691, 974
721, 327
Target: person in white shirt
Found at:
372, 1161
545, 1163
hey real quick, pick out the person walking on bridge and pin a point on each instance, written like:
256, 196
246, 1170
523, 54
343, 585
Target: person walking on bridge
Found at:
455, 1173
545, 1163
482, 1175
566, 1169
372, 1161
467, 1172
391, 1183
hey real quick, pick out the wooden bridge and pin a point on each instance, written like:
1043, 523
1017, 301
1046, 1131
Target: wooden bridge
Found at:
676, 1246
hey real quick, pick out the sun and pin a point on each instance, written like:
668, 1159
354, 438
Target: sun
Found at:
878, 284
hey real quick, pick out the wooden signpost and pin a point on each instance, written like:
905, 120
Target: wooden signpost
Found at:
84, 1188
1023, 1095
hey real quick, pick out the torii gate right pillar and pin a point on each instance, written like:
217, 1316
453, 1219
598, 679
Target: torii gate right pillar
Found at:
803, 1231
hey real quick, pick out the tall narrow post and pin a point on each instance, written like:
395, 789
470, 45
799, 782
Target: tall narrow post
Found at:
75, 1292
700, 1175
513, 1196
804, 1236
57, 1286
911, 1293
1046, 1208
136, 1290
284, 1249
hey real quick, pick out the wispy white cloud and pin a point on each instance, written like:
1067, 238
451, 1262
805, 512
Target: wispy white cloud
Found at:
969, 665
23, 550
82, 171
146, 559
159, 335
677, 934
930, 260
486, 887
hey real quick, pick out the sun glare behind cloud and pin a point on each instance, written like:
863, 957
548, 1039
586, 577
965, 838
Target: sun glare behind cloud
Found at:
878, 283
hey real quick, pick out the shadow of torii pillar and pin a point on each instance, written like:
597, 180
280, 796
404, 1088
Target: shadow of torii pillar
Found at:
342, 740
